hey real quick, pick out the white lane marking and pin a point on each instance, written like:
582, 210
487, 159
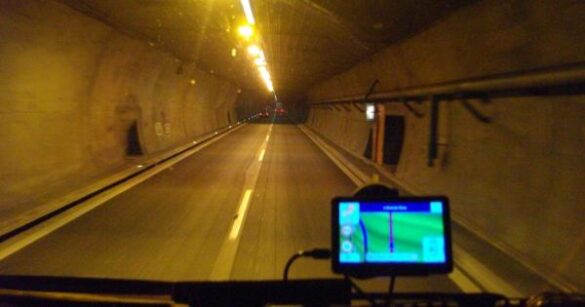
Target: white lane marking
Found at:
235, 232
222, 269
261, 157
489, 280
466, 284
463, 282
19, 242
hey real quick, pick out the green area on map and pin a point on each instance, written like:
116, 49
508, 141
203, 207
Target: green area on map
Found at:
409, 229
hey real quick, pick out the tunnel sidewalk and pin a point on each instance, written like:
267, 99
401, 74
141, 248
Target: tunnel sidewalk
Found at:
486, 265
64, 193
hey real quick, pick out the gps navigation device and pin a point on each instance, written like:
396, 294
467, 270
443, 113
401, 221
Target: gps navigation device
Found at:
392, 236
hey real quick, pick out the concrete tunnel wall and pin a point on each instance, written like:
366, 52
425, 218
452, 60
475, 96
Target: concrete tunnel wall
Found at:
519, 180
70, 89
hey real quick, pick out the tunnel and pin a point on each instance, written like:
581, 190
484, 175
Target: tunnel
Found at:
204, 140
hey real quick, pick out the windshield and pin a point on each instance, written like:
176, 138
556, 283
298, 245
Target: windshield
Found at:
205, 140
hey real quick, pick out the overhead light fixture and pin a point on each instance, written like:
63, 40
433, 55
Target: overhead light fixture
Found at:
248, 11
246, 31
260, 62
264, 72
254, 50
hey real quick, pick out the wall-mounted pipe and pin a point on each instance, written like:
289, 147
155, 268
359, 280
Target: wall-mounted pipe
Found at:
565, 80
433, 132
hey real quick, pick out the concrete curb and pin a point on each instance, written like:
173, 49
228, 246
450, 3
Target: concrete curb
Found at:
53, 208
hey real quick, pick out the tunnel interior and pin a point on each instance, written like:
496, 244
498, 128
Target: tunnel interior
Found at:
479, 100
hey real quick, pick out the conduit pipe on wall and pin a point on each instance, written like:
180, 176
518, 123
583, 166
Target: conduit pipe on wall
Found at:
555, 81
565, 80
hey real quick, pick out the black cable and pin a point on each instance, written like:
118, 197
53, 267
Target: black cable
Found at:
391, 285
391, 289
289, 263
317, 253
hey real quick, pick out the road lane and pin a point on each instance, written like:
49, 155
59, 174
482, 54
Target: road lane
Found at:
172, 226
168, 228
290, 208
290, 211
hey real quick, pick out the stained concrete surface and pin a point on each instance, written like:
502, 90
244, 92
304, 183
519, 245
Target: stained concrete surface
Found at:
71, 88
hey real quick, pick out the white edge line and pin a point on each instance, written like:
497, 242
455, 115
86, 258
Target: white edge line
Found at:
461, 280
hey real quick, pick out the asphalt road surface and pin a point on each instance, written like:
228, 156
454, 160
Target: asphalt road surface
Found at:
174, 225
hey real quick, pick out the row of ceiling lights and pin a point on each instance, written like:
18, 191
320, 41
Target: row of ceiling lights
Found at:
247, 32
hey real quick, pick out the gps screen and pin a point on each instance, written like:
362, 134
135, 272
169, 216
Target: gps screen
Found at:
400, 231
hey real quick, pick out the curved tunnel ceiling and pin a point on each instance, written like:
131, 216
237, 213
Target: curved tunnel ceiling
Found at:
306, 41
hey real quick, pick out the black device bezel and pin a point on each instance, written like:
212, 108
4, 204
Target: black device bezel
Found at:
393, 269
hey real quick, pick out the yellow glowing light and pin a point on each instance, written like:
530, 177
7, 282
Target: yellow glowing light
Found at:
260, 62
234, 52
246, 31
264, 73
248, 11
254, 50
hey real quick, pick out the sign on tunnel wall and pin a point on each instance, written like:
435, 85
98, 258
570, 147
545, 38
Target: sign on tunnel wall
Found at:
370, 111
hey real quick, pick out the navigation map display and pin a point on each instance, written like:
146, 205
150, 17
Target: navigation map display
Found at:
402, 235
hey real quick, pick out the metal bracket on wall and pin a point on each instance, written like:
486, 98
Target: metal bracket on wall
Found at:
475, 112
345, 107
411, 109
358, 107
371, 89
